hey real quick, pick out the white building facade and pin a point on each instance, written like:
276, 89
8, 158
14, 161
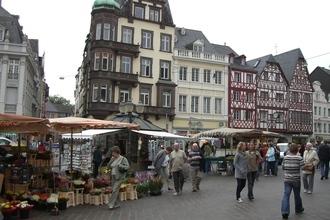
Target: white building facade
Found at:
22, 85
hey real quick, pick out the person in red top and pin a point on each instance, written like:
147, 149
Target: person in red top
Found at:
41, 148
263, 153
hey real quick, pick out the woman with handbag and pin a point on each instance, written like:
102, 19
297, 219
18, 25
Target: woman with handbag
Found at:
311, 160
119, 166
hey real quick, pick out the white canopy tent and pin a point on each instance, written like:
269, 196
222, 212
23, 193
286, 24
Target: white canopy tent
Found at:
161, 134
88, 134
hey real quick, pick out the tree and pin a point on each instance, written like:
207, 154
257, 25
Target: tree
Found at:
56, 99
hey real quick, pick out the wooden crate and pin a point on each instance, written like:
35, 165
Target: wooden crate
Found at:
20, 188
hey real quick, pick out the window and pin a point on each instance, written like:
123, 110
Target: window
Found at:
319, 127
237, 115
105, 61
13, 68
147, 40
237, 77
249, 97
320, 110
165, 43
126, 64
11, 100
127, 35
328, 128
265, 76
249, 78
139, 12
198, 47
145, 96
325, 112
106, 31
2, 34
194, 104
279, 97
195, 75
248, 115
207, 105
295, 97
218, 105
183, 73
98, 31
146, 67
154, 14
315, 110
182, 103
277, 77
217, 77
264, 95
328, 113
237, 96
104, 93
325, 128
124, 95
207, 76
97, 61
95, 93
166, 99
164, 69
263, 116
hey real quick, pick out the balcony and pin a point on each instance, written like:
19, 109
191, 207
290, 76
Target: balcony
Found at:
159, 111
101, 109
119, 77
201, 56
117, 46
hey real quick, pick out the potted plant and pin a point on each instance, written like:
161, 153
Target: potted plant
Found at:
79, 183
142, 189
155, 186
62, 203
24, 209
7, 210
51, 202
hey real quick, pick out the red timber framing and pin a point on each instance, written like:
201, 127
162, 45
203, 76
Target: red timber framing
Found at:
272, 99
301, 101
242, 98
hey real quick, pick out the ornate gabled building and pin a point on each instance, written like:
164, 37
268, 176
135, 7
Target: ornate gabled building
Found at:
201, 73
242, 90
321, 100
128, 57
300, 98
23, 89
271, 95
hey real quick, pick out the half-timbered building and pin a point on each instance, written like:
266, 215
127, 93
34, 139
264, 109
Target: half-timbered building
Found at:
300, 98
242, 94
271, 95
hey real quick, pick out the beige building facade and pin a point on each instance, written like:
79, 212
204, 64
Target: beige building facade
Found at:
201, 74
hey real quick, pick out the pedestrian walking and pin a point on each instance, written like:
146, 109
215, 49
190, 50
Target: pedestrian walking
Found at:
97, 160
119, 166
241, 169
253, 162
161, 163
324, 155
292, 164
177, 160
277, 158
263, 153
194, 158
311, 160
271, 160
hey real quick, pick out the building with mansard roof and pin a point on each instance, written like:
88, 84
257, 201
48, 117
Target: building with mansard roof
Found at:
23, 90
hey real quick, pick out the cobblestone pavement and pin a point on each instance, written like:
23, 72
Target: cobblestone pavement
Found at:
216, 200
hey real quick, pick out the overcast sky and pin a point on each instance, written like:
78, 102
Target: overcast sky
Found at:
251, 27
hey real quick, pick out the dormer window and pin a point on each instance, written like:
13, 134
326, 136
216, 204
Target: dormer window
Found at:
198, 46
2, 34
139, 12
154, 14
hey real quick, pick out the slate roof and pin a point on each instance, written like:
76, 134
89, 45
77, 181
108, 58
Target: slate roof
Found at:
238, 64
221, 49
34, 45
10, 22
288, 62
186, 41
259, 64
322, 75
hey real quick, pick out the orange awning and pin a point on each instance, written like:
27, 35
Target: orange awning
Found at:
23, 124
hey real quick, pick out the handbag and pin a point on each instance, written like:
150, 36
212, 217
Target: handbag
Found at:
309, 167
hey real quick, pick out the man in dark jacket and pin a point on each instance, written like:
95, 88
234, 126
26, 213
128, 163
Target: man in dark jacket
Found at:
97, 160
324, 155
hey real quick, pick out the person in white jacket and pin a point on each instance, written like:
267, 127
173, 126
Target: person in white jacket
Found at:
311, 160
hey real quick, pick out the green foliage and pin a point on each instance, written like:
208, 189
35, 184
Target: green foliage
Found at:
56, 99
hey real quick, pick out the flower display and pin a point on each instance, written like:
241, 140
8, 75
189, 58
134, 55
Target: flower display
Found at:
7, 208
101, 182
24, 206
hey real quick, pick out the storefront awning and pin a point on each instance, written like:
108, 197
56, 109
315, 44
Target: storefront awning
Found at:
160, 134
88, 134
